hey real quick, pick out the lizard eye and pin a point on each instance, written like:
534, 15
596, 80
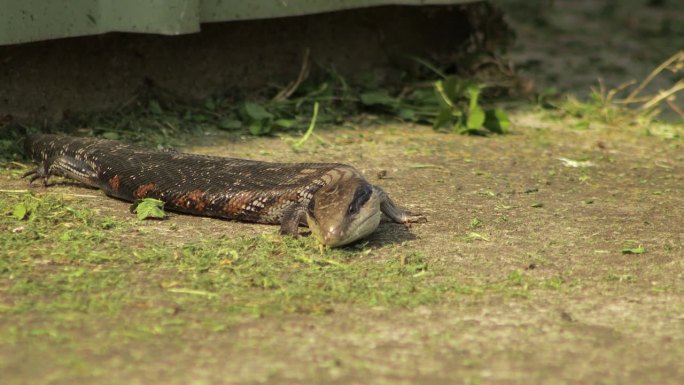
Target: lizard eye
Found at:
361, 196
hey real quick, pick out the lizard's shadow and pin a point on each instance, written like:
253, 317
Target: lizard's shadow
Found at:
388, 233
59, 182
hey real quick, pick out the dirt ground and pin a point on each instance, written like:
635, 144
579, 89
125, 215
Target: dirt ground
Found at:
544, 215
612, 318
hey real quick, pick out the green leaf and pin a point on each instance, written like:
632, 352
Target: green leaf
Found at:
66, 236
258, 128
110, 135
537, 205
457, 89
381, 98
407, 114
476, 118
155, 108
459, 127
442, 97
497, 121
444, 119
474, 236
20, 212
230, 124
210, 104
257, 112
285, 123
149, 208
423, 96
453, 88
473, 92
633, 250
369, 79
199, 118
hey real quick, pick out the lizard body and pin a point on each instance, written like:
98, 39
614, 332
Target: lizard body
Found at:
337, 203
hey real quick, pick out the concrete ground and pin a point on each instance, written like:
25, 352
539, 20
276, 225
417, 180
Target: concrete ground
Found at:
551, 255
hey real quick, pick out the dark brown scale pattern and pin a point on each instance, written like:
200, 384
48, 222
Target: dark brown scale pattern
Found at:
205, 185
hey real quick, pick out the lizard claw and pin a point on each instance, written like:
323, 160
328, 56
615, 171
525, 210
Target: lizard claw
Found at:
414, 218
37, 173
410, 218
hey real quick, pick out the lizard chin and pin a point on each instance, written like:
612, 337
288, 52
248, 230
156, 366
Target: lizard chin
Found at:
356, 229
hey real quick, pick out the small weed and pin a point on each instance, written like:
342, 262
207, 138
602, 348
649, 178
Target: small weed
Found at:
612, 277
604, 105
461, 111
516, 278
472, 236
554, 283
451, 103
413, 264
536, 260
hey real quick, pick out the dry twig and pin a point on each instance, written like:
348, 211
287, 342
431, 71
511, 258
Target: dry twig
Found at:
304, 70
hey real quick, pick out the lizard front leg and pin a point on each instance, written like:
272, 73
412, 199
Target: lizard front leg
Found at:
389, 208
291, 219
65, 166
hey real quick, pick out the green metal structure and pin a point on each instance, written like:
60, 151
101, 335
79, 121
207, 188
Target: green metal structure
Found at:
24, 21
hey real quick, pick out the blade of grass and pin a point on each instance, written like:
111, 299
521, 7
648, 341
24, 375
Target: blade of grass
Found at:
429, 66
663, 95
309, 130
676, 57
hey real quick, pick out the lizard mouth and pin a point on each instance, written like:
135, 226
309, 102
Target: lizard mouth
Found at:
354, 231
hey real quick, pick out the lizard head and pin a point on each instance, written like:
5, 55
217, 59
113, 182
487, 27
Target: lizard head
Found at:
341, 213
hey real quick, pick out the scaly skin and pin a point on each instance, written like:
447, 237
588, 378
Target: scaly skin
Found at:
335, 200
